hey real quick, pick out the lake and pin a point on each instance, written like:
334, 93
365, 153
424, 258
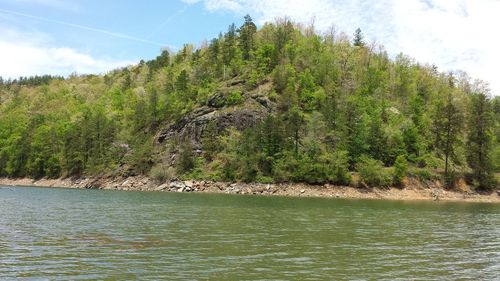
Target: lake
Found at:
61, 234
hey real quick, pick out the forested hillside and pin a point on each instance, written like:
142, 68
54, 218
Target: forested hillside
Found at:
278, 104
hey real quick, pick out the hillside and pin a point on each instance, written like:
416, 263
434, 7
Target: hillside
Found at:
278, 104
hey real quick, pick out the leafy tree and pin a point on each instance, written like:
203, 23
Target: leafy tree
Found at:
307, 107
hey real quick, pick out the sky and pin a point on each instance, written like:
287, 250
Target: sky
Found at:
61, 37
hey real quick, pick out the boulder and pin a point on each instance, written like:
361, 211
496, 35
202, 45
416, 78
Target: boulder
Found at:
177, 184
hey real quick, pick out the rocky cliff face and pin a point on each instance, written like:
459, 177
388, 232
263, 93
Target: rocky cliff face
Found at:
254, 108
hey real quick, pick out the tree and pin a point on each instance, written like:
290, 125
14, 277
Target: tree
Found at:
400, 169
447, 126
295, 121
153, 108
358, 40
229, 46
247, 32
210, 140
182, 81
186, 161
163, 60
479, 140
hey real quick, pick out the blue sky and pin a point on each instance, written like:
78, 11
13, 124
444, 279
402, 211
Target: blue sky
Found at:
94, 36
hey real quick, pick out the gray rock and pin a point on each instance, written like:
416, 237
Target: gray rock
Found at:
177, 184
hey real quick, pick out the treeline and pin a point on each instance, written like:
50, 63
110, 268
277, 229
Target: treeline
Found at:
30, 80
338, 106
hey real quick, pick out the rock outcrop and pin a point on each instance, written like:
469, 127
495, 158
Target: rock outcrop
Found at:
256, 107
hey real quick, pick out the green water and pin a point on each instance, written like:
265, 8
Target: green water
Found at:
63, 234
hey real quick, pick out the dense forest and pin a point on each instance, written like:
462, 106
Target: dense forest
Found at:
282, 103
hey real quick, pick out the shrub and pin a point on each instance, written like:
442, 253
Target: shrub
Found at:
186, 161
423, 174
429, 160
286, 168
234, 98
161, 173
372, 172
197, 172
400, 169
339, 167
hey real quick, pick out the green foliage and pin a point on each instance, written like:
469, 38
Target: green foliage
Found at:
322, 107
423, 174
358, 40
479, 141
447, 129
161, 173
247, 33
210, 141
400, 169
141, 156
182, 81
234, 98
372, 172
186, 160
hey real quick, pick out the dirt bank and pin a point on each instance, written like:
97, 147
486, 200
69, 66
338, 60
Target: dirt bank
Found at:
413, 191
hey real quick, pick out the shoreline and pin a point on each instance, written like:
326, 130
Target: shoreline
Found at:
411, 192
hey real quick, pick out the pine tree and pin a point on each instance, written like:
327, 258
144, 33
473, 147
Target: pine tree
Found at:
479, 140
358, 40
209, 140
447, 128
182, 81
229, 46
247, 32
295, 122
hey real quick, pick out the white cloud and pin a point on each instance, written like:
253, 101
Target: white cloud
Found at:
452, 34
23, 54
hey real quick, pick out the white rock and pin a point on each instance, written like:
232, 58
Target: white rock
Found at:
177, 184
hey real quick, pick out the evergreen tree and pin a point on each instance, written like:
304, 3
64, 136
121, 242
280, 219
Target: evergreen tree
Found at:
358, 40
479, 140
229, 46
447, 126
295, 122
182, 81
247, 32
210, 140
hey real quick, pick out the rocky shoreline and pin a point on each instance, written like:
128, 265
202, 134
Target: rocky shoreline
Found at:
414, 191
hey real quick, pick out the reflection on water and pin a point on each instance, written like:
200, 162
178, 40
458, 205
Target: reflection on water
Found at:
61, 234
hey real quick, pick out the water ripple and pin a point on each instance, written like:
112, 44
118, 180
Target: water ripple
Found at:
60, 234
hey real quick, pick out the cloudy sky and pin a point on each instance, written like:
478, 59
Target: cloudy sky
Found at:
93, 36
